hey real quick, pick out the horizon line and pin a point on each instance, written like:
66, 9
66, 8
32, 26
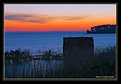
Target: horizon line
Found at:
45, 31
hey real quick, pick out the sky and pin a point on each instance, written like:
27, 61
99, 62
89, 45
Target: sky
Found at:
57, 17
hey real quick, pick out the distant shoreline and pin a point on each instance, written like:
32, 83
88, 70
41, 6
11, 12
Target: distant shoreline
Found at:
41, 31
103, 29
101, 33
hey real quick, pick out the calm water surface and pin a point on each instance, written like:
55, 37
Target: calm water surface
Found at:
35, 41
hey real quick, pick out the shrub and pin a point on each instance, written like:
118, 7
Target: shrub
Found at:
17, 54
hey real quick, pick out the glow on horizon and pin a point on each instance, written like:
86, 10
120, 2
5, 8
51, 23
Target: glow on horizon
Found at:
57, 17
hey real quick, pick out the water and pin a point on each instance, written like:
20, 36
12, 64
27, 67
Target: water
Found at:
43, 41
35, 41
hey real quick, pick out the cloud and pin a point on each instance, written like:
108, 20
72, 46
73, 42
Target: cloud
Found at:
17, 17
76, 18
28, 18
40, 18
36, 21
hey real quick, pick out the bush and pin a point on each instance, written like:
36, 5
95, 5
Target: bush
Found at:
17, 54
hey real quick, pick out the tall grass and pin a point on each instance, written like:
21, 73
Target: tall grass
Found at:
102, 64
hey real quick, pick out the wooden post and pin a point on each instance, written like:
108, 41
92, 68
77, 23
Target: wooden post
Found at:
77, 51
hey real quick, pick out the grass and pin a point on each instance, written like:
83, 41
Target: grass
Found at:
102, 64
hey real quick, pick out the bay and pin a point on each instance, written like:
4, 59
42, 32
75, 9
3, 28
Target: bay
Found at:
43, 41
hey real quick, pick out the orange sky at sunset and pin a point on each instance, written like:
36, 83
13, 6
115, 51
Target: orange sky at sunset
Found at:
57, 17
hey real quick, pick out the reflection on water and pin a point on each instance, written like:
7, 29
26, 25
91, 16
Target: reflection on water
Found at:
33, 68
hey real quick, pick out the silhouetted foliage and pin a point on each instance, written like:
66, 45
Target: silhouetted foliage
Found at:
103, 29
17, 54
103, 64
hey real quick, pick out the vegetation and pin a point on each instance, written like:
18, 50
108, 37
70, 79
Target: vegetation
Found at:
17, 54
25, 54
103, 29
103, 64
50, 54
